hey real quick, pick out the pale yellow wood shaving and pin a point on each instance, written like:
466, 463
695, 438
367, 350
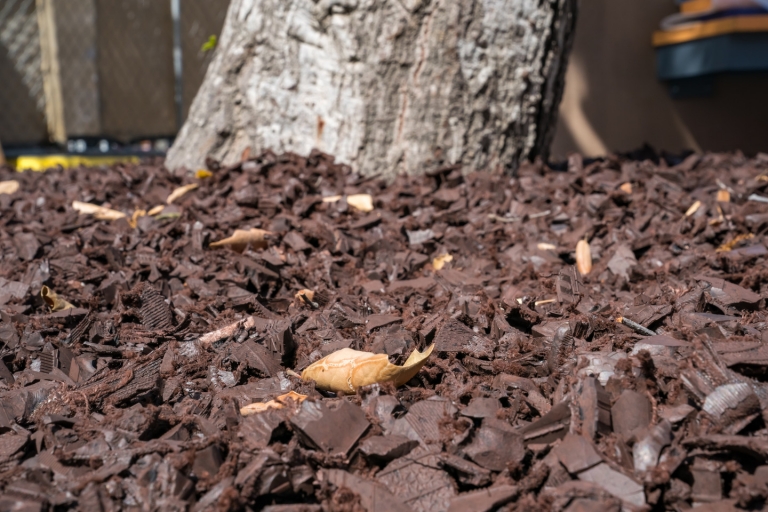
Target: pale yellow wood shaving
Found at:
97, 211
583, 257
241, 239
180, 191
9, 187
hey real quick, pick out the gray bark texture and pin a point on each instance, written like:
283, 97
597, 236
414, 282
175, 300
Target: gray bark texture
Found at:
386, 86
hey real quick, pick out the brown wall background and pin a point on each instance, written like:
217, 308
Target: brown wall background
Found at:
613, 101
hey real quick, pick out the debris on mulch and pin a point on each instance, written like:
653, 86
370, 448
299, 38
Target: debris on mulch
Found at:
599, 338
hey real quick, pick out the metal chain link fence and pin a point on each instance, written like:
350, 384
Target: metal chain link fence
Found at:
22, 101
101, 69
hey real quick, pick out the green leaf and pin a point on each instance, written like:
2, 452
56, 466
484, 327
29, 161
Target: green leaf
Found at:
210, 44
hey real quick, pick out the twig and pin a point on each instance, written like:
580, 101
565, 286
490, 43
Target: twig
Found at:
759, 199
507, 220
636, 326
540, 214
208, 339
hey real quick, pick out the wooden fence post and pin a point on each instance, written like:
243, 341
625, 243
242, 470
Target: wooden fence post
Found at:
68, 62
49, 63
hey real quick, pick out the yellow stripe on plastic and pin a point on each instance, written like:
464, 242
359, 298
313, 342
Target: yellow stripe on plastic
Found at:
695, 6
41, 163
712, 28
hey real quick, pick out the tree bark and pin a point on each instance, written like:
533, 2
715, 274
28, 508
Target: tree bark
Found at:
387, 86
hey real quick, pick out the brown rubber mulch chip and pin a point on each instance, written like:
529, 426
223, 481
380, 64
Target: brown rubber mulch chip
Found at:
634, 381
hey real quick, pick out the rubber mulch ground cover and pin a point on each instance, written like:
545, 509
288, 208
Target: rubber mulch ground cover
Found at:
144, 366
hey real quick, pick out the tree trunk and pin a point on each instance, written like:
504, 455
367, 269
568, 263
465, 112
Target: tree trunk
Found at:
387, 86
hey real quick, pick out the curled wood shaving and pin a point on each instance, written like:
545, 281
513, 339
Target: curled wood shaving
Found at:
346, 370
135, 218
53, 301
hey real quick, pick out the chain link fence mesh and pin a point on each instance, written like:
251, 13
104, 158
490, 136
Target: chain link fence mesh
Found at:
135, 44
22, 100
100, 68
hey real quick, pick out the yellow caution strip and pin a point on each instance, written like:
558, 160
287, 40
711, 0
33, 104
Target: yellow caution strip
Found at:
711, 28
695, 6
41, 163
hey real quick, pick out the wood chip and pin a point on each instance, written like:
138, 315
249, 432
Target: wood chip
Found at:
362, 202
305, 294
97, 211
439, 262
278, 403
723, 196
9, 187
155, 210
